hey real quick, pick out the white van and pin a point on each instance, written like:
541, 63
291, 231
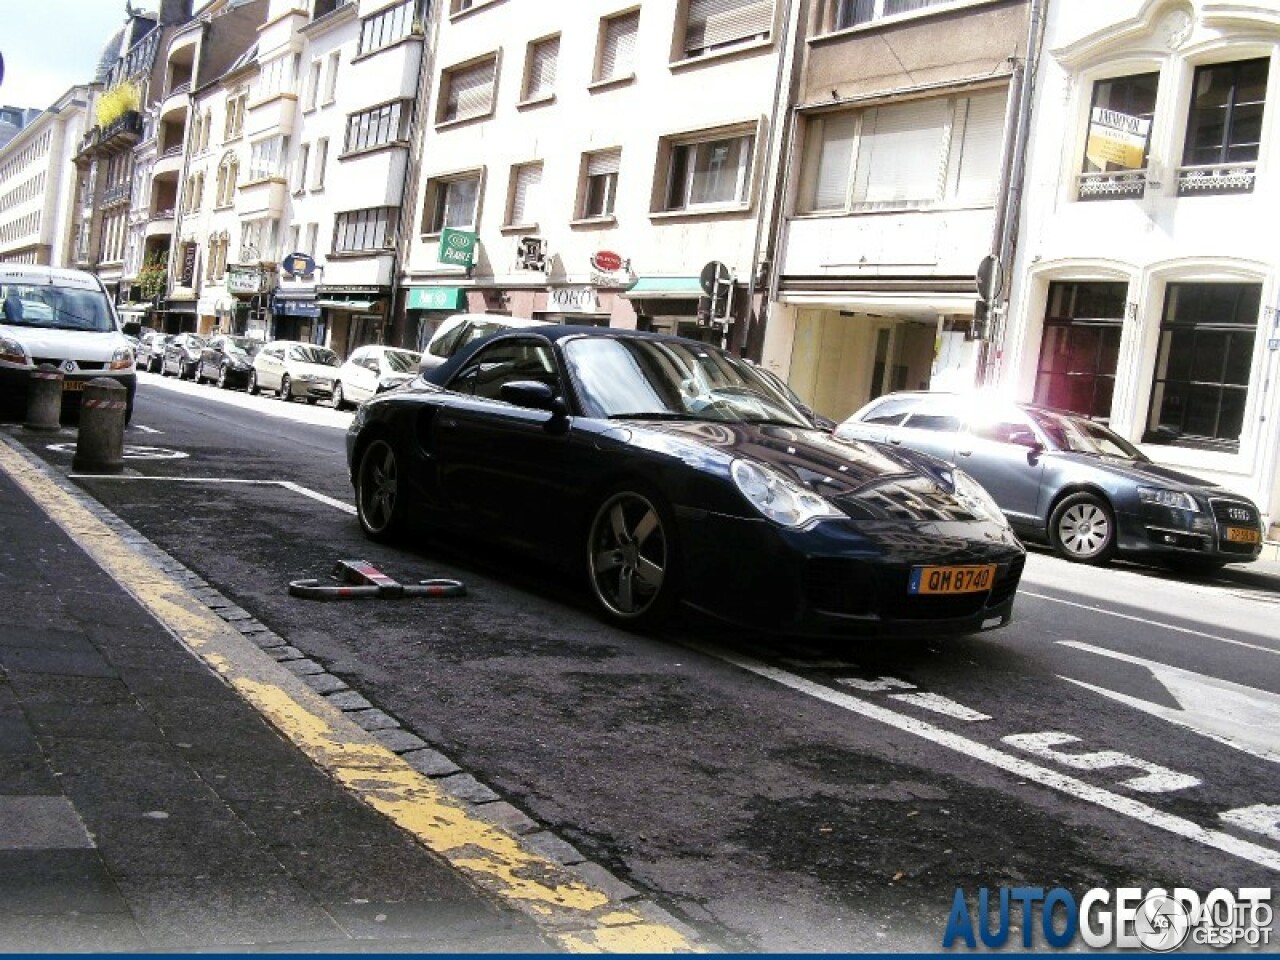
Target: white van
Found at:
62, 317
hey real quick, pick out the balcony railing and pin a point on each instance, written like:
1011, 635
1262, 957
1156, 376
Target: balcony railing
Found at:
122, 132
116, 194
1115, 185
1214, 178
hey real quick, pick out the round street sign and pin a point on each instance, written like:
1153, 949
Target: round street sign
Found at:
713, 274
606, 261
296, 264
989, 278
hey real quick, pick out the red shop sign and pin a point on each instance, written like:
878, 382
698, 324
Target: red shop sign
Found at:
606, 261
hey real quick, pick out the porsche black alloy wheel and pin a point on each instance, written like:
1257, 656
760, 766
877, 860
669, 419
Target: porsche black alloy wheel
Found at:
631, 554
223, 381
378, 502
339, 402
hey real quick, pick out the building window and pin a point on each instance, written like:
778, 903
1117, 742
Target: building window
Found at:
235, 116
540, 69
228, 172
905, 155
331, 77
300, 170
526, 183
600, 183
1083, 325
266, 158
376, 127
851, 13
1116, 152
357, 230
322, 161
1201, 380
1224, 128
615, 57
459, 6
275, 77
386, 27
713, 172
453, 203
468, 91
712, 25
313, 234
313, 85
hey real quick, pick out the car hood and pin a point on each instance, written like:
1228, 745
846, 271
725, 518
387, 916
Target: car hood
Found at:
865, 480
1144, 472
76, 344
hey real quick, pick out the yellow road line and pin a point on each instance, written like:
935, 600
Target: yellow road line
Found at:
574, 914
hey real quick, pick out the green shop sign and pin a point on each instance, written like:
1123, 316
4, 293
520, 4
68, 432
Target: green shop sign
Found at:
434, 298
457, 247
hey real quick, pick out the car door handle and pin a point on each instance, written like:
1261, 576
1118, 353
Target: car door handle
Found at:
897, 441
965, 453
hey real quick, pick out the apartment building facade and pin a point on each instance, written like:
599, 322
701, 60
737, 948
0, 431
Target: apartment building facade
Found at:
1147, 289
587, 162
900, 154
38, 184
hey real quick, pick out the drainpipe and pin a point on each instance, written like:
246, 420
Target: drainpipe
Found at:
780, 126
1005, 240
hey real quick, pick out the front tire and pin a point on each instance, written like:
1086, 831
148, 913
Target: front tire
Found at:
339, 401
286, 389
632, 558
379, 493
253, 387
1083, 529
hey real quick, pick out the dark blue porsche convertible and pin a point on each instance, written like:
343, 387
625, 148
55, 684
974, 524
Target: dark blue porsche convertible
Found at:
666, 470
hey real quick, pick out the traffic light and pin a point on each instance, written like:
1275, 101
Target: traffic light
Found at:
981, 320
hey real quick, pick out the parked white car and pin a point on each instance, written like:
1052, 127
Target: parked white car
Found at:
64, 318
291, 369
370, 370
457, 331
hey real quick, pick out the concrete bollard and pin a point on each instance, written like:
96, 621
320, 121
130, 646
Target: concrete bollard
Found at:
44, 398
100, 441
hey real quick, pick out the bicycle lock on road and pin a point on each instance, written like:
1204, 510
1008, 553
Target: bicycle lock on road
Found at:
362, 579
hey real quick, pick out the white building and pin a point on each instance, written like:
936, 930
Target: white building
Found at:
38, 183
1146, 283
602, 154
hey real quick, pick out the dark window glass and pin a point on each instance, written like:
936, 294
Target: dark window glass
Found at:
1225, 123
1122, 99
1082, 329
1201, 381
890, 413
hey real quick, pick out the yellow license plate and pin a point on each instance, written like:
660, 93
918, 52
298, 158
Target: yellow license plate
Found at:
72, 385
1243, 535
972, 579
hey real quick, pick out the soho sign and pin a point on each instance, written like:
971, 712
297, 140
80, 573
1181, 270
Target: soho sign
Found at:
574, 300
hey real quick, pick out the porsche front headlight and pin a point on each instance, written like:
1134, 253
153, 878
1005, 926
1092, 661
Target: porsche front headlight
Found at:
780, 499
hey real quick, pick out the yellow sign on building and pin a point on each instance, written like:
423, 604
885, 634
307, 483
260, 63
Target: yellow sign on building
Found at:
1117, 140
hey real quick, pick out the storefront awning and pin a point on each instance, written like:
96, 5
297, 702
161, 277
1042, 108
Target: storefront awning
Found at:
860, 301
356, 306
435, 298
665, 288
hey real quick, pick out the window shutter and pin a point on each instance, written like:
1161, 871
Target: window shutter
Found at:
542, 68
714, 23
618, 51
900, 153
524, 193
470, 91
980, 150
835, 162
599, 164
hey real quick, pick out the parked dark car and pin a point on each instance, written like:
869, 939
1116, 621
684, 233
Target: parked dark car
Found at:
182, 355
150, 353
817, 419
667, 470
1070, 481
226, 360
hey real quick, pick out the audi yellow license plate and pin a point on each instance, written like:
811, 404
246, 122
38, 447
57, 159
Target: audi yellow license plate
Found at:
73, 385
933, 580
1243, 535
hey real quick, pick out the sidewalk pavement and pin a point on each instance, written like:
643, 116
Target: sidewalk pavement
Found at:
145, 806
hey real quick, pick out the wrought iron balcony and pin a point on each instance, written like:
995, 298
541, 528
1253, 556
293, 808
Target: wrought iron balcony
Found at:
1115, 185
1215, 178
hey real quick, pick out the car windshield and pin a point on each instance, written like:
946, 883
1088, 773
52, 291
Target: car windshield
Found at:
194, 341
1084, 436
622, 378
320, 355
59, 308
402, 361
245, 345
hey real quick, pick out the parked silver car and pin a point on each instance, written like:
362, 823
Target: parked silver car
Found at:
1068, 480
294, 369
370, 370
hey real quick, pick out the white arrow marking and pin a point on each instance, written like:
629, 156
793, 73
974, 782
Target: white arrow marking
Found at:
940, 704
1157, 779
1242, 717
883, 685
1259, 818
138, 426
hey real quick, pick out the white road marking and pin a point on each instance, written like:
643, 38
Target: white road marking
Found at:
138, 426
1152, 623
876, 686
1158, 779
940, 704
980, 752
1231, 713
286, 484
129, 451
1260, 818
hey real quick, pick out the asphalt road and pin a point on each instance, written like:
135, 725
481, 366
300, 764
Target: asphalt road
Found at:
1123, 731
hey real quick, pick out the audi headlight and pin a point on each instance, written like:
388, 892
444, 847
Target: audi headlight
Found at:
974, 496
1177, 499
778, 498
11, 351
122, 359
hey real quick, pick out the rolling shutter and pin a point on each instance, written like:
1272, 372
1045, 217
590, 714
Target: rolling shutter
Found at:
900, 154
835, 162
716, 23
981, 148
599, 164
542, 68
617, 53
524, 194
470, 91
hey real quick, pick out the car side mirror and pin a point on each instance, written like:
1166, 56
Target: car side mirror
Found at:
528, 393
1025, 438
